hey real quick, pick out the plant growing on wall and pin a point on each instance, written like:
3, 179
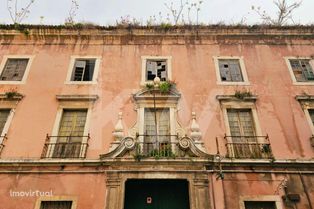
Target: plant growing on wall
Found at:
164, 87
242, 94
12, 93
283, 15
72, 13
18, 14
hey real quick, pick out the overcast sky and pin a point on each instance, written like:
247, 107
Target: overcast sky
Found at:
104, 12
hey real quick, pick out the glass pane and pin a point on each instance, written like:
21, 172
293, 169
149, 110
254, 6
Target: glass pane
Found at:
302, 70
72, 125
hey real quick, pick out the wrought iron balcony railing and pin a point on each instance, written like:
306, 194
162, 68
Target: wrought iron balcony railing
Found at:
65, 147
254, 147
158, 146
2, 139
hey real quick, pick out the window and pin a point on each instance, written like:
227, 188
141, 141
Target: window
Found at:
71, 133
240, 122
56, 205
156, 66
311, 113
83, 70
4, 113
302, 70
14, 68
259, 205
230, 71
157, 128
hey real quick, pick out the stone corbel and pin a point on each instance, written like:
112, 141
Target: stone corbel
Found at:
188, 145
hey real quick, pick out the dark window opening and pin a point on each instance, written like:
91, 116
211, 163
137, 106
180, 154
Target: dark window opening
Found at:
83, 70
56, 205
259, 205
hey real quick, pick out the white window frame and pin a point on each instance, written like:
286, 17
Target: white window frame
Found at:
241, 105
261, 198
72, 106
242, 68
294, 80
144, 60
306, 106
26, 72
71, 68
56, 198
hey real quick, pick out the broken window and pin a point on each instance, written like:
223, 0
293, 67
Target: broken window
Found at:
302, 70
230, 70
56, 205
14, 70
156, 68
260, 205
83, 70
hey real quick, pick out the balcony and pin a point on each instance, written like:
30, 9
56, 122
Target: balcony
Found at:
250, 147
65, 147
157, 146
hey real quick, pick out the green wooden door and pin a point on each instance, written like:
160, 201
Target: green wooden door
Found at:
156, 194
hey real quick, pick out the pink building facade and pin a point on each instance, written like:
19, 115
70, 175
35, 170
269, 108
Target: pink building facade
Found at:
192, 118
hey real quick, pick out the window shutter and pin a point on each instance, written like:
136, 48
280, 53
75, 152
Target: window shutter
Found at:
14, 69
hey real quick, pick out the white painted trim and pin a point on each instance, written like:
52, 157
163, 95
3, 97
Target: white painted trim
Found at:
7, 123
261, 198
71, 68
306, 106
56, 198
26, 72
241, 105
294, 80
242, 68
145, 58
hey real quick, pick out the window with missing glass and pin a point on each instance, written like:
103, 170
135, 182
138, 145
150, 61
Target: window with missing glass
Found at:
260, 205
56, 205
14, 69
302, 70
156, 68
83, 70
230, 70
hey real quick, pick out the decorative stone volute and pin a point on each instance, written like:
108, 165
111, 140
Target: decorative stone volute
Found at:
195, 128
118, 132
